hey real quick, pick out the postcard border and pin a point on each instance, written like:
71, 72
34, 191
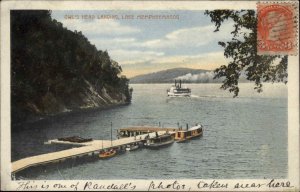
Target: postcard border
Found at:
6, 6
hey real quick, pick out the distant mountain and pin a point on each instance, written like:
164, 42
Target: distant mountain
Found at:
167, 76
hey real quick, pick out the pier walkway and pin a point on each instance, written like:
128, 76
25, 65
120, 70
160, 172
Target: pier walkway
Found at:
88, 148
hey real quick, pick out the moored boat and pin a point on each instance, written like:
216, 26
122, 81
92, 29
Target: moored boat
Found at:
137, 131
75, 139
178, 91
132, 147
159, 141
193, 132
107, 154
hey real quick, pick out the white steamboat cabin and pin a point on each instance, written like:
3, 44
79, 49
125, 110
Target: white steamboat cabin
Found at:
178, 91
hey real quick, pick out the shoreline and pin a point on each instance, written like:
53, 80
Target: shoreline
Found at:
49, 117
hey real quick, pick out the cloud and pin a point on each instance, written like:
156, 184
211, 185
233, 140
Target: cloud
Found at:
181, 40
133, 57
99, 27
190, 37
200, 59
115, 43
127, 57
156, 62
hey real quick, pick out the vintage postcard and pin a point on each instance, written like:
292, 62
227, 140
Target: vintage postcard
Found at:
150, 95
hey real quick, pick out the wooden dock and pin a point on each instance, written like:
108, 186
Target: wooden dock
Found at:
88, 148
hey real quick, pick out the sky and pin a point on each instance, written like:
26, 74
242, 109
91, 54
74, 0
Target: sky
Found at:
143, 46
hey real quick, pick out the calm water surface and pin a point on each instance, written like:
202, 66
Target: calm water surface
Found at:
244, 137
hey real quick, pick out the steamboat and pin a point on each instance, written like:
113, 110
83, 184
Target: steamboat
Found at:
178, 91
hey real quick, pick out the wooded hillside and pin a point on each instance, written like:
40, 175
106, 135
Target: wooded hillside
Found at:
54, 69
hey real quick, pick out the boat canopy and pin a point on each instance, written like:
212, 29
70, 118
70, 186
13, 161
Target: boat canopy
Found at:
191, 129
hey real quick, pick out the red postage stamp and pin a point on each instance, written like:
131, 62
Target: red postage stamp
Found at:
277, 29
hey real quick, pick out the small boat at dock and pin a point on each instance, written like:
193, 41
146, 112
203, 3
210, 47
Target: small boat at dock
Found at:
185, 135
136, 131
107, 154
159, 141
132, 147
75, 139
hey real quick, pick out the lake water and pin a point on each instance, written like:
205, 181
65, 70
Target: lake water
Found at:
244, 137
